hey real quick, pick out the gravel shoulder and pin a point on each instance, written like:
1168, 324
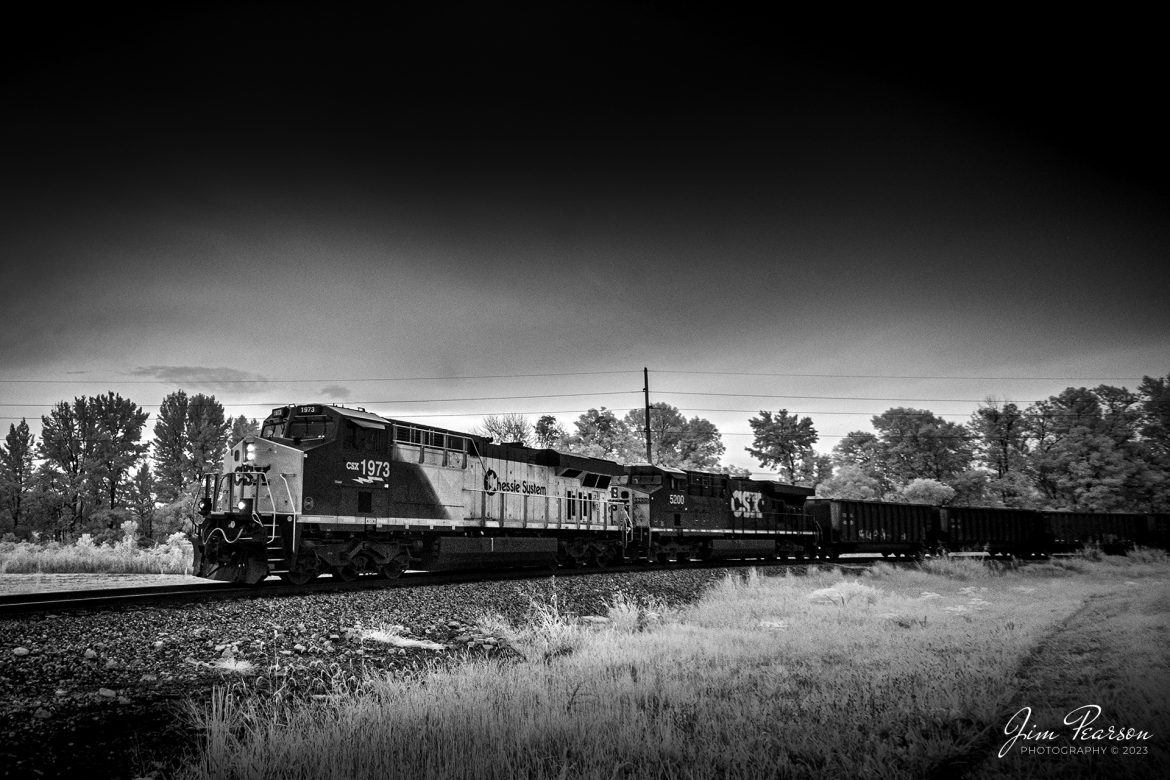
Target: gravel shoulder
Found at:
104, 694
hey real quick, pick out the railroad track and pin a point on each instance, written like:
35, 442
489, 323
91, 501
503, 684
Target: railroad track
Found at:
15, 605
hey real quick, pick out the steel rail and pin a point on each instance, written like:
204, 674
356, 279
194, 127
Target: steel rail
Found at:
21, 604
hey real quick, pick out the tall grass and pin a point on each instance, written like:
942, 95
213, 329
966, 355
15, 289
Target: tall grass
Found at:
813, 676
174, 556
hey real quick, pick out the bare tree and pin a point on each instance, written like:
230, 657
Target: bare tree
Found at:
507, 428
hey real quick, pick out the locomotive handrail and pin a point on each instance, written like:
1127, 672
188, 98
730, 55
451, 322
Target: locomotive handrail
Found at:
223, 533
257, 516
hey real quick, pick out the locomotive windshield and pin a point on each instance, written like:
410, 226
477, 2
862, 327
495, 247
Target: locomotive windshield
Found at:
273, 428
315, 426
303, 423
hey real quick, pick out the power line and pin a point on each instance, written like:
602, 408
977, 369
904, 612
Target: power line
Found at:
262, 380
825, 397
404, 401
907, 376
462, 377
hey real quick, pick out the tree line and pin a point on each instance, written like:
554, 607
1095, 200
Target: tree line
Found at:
91, 470
1099, 449
1102, 449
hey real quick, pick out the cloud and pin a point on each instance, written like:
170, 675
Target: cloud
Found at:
217, 378
335, 391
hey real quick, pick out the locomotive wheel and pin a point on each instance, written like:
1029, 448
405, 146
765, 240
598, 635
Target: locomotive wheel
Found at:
299, 577
305, 572
393, 570
345, 573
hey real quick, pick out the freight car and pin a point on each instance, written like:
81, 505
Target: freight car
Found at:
1113, 532
327, 489
871, 527
1020, 533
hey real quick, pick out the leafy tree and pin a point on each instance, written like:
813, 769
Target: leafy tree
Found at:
815, 469
675, 440
736, 471
1001, 436
924, 491
858, 448
190, 438
68, 434
50, 504
88, 448
1001, 443
783, 441
600, 434
548, 432
1084, 452
207, 435
850, 482
242, 428
142, 500
507, 428
16, 471
170, 447
118, 447
1155, 413
914, 443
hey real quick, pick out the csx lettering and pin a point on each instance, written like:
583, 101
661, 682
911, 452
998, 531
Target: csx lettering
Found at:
746, 504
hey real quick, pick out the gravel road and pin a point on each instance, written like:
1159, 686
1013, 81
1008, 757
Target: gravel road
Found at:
103, 694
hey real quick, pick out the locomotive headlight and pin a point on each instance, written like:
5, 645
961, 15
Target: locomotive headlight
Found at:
242, 506
250, 453
204, 506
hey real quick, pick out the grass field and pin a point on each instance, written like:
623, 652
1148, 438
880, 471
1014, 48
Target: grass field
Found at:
899, 673
174, 556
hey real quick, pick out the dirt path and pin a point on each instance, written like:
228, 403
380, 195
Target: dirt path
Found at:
1106, 667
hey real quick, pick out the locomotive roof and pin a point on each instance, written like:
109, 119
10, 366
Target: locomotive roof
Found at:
360, 415
550, 457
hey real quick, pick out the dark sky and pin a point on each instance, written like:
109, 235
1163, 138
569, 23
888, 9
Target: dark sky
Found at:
196, 198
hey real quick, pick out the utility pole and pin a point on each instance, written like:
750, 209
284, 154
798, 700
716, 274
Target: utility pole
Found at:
646, 397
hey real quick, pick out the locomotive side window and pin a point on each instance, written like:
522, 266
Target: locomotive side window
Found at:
367, 439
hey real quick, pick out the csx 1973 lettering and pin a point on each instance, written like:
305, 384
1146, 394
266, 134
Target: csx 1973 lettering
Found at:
370, 468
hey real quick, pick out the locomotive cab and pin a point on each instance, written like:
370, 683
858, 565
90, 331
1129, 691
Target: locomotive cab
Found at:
247, 512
